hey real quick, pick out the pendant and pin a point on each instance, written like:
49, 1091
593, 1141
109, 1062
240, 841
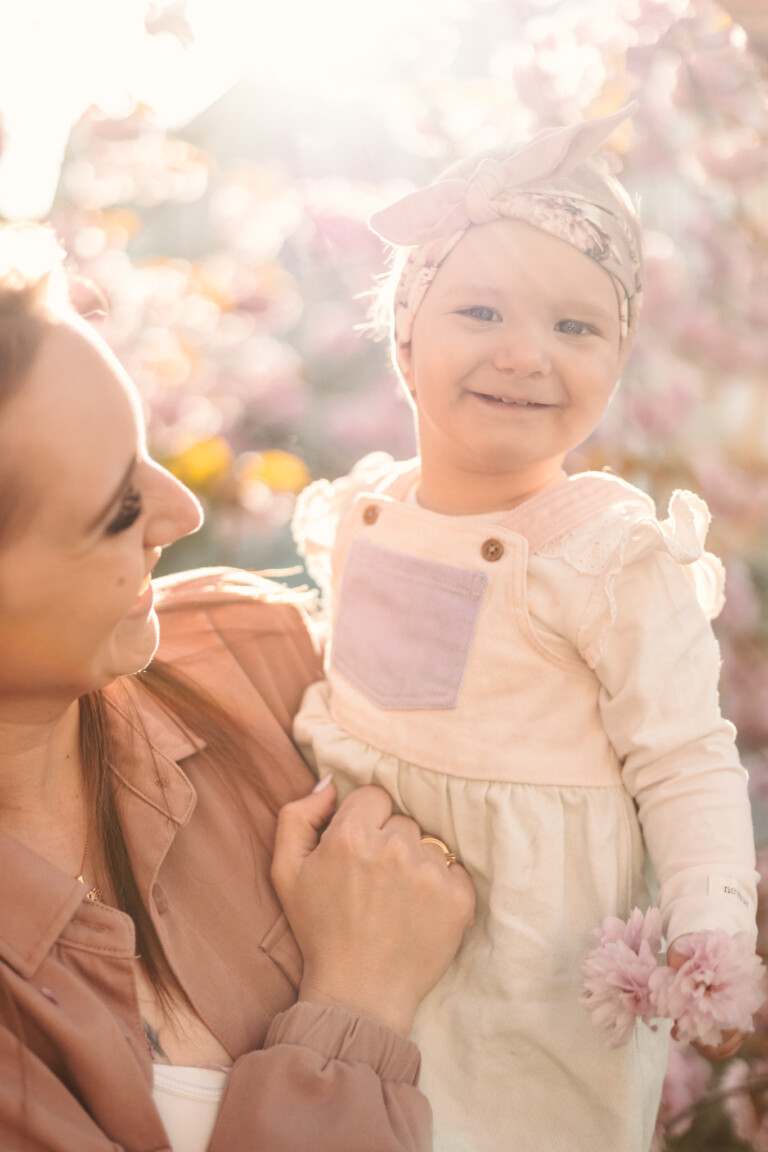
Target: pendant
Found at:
93, 895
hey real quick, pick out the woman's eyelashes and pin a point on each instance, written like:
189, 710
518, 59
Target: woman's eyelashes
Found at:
128, 513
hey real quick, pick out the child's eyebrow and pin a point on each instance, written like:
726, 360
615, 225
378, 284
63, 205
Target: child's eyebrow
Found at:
474, 288
586, 307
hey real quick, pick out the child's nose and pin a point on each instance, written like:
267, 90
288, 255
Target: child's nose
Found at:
523, 351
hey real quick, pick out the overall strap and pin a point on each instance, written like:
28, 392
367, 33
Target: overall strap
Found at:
566, 506
395, 484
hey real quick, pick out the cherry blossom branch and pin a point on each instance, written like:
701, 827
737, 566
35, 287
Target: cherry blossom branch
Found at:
718, 987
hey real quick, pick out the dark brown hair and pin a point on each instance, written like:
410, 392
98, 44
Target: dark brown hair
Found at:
33, 291
230, 751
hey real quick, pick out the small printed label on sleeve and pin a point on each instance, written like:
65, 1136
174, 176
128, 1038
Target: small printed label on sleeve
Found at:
723, 886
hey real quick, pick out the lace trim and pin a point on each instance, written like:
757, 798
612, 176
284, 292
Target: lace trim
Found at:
589, 547
682, 536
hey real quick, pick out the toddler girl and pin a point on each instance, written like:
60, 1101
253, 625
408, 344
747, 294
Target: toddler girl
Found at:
524, 659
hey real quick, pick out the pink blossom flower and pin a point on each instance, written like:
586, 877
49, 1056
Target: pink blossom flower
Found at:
718, 988
715, 990
640, 926
616, 983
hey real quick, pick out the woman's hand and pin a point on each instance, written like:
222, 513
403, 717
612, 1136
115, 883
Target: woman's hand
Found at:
377, 915
731, 1041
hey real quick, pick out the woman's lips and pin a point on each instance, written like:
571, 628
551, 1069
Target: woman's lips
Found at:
145, 598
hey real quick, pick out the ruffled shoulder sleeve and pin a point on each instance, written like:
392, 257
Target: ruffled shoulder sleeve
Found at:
680, 536
321, 507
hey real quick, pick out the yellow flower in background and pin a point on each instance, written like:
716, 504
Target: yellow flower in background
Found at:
279, 471
204, 465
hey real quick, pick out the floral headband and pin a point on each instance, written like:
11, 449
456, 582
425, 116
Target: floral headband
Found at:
553, 182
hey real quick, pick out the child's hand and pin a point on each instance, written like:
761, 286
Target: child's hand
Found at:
731, 1041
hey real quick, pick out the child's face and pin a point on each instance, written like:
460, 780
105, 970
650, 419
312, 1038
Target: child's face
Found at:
515, 353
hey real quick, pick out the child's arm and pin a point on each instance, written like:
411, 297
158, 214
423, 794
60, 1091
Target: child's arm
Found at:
659, 669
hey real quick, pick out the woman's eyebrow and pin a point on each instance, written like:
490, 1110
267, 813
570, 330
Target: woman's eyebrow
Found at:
107, 507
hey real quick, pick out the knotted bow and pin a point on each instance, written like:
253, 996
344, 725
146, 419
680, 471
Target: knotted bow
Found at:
451, 205
545, 182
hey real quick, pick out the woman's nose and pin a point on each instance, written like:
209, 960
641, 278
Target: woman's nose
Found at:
523, 351
176, 511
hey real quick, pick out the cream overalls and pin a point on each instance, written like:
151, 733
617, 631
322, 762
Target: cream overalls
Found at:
440, 690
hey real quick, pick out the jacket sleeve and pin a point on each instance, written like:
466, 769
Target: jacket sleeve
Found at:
37, 1111
324, 1081
328, 1081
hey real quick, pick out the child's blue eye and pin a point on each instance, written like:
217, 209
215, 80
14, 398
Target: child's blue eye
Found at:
573, 327
481, 313
129, 512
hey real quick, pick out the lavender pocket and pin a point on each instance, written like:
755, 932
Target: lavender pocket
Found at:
404, 627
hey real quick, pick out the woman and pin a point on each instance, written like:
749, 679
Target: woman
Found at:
145, 958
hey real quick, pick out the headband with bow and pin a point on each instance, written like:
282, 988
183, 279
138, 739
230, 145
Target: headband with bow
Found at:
553, 182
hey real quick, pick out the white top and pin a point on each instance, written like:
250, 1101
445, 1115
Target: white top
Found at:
188, 1102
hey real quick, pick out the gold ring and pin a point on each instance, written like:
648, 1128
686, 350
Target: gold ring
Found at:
449, 856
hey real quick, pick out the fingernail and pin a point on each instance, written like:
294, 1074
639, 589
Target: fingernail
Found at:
323, 783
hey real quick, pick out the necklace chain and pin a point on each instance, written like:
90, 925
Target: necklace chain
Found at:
94, 895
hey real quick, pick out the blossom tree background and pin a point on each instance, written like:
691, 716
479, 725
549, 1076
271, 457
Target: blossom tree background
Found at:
213, 185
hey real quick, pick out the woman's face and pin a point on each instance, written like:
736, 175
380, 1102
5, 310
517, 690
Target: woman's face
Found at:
76, 605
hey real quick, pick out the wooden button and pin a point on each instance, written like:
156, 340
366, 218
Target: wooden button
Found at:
371, 514
492, 549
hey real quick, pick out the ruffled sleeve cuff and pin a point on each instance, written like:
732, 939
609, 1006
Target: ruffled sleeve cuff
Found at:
336, 1035
681, 536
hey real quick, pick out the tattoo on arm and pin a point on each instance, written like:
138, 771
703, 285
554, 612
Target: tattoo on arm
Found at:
155, 1047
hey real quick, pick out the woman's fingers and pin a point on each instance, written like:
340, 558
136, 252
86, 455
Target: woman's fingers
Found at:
299, 825
377, 914
369, 806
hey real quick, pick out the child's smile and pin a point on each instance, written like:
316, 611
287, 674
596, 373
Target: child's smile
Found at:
514, 357
507, 400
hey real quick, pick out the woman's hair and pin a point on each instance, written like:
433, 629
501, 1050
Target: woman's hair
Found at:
33, 295
230, 752
33, 292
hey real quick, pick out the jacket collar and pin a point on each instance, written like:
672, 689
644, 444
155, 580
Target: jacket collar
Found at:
38, 900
